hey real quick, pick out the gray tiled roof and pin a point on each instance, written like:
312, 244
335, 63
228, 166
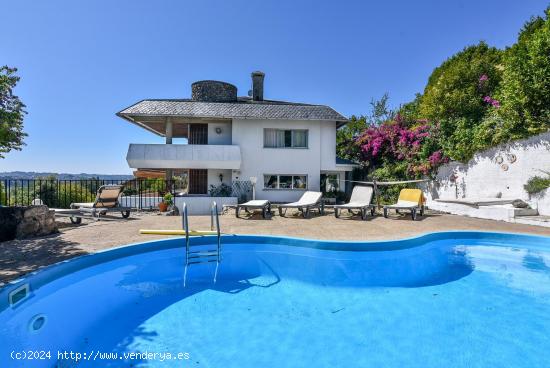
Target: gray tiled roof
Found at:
241, 109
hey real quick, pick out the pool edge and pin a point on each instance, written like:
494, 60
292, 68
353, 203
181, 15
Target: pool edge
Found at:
36, 279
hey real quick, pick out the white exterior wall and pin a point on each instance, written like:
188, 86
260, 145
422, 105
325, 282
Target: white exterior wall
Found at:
328, 145
257, 160
200, 206
224, 137
483, 177
542, 201
196, 205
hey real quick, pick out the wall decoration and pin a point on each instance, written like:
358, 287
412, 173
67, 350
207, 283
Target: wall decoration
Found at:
504, 167
511, 158
499, 160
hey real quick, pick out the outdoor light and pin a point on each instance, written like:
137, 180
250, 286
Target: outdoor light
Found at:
221, 177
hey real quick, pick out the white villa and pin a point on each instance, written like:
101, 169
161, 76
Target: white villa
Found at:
284, 147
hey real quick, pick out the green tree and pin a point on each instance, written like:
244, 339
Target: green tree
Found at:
525, 92
457, 88
409, 111
12, 111
346, 136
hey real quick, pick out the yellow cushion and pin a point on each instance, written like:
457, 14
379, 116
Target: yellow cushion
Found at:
412, 195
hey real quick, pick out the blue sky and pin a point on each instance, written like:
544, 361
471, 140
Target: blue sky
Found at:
82, 61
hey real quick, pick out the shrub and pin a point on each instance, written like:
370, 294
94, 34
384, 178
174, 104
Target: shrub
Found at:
525, 91
459, 142
128, 191
154, 186
3, 195
168, 199
47, 191
537, 184
222, 190
75, 193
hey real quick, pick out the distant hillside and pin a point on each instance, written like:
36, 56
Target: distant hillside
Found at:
62, 176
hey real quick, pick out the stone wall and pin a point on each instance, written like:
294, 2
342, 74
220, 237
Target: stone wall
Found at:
26, 222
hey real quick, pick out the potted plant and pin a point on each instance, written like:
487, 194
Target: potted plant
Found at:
167, 201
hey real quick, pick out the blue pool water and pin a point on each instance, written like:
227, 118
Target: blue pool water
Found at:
459, 299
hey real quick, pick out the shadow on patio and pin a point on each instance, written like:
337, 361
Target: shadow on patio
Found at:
18, 257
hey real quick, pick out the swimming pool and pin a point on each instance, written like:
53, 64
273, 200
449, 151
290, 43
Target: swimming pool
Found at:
453, 299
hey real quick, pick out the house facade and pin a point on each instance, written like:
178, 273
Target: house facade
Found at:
286, 148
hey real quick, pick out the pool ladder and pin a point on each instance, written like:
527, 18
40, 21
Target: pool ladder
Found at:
204, 255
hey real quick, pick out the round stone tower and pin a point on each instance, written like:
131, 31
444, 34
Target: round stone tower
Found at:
213, 91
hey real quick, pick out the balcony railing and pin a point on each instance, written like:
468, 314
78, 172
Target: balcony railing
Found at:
188, 156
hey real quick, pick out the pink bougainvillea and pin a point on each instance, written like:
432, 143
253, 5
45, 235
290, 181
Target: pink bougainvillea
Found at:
492, 101
394, 141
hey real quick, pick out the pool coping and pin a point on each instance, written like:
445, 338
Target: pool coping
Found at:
45, 275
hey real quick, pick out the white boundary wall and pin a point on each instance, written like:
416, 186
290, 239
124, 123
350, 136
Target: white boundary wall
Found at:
502, 170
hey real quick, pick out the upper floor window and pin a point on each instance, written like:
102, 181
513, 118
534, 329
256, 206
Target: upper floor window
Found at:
279, 138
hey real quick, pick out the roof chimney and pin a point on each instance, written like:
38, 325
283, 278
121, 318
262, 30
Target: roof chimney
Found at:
258, 86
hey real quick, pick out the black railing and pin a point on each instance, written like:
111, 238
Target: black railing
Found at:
137, 193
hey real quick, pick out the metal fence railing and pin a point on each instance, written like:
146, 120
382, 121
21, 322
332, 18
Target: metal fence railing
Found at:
137, 193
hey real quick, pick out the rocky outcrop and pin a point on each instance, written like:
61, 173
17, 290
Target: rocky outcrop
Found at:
26, 222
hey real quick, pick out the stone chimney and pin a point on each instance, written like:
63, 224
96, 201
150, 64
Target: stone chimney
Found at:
258, 86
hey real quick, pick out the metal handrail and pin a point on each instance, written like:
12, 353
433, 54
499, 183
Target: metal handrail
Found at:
214, 214
185, 220
185, 225
214, 219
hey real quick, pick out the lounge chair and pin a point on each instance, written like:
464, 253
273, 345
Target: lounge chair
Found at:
361, 198
308, 201
409, 200
106, 201
258, 204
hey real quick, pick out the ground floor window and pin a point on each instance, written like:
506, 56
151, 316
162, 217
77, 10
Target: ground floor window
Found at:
285, 182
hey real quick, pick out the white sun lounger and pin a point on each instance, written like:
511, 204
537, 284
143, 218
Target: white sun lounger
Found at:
308, 201
361, 198
258, 204
106, 201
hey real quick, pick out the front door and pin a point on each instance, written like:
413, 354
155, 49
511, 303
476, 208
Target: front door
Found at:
198, 134
198, 181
